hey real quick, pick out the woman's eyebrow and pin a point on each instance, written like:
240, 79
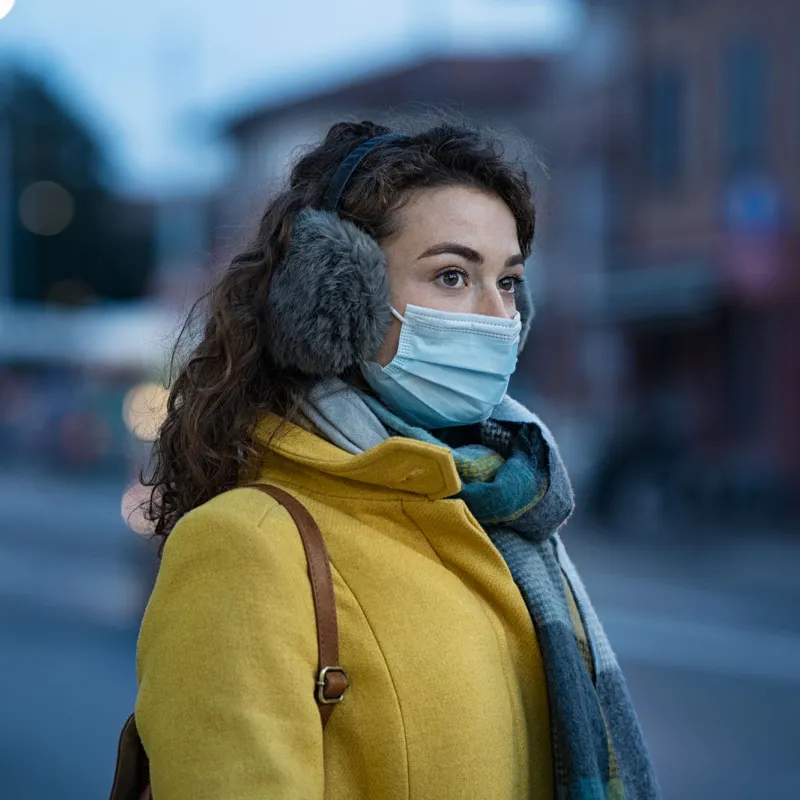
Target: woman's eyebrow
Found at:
455, 249
467, 253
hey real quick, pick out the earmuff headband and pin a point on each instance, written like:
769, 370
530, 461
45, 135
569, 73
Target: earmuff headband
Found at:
340, 179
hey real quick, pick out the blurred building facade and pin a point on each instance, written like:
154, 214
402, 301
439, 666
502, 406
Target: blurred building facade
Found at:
699, 135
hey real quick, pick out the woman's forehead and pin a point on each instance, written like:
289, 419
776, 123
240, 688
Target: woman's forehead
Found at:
455, 213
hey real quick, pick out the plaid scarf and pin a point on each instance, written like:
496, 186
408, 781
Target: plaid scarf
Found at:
515, 484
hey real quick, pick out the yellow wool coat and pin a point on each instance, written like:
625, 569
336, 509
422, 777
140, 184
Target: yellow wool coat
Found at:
447, 697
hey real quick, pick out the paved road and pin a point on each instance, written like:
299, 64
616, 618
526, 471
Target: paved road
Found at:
72, 584
710, 641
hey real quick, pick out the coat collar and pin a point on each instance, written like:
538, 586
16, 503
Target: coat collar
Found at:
395, 465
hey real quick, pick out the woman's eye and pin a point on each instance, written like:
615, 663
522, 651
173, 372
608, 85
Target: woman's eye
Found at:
510, 283
452, 279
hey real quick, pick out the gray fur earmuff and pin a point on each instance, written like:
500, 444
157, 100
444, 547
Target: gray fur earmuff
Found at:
328, 308
329, 299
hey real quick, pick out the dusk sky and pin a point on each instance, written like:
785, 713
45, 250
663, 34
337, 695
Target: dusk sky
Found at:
152, 75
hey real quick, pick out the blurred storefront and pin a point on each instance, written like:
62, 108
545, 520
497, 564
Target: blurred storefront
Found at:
695, 127
722, 183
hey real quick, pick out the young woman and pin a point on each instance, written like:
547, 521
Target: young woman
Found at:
357, 356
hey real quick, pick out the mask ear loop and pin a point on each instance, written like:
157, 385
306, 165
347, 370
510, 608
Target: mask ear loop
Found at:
397, 314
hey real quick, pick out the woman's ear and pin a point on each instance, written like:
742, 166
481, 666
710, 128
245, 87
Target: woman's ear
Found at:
328, 304
526, 310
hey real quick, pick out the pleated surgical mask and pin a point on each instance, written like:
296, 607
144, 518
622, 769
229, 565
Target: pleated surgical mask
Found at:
450, 369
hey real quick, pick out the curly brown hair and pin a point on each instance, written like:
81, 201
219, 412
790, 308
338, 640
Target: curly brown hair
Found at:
205, 445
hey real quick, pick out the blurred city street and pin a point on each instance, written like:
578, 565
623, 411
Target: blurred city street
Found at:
140, 145
709, 635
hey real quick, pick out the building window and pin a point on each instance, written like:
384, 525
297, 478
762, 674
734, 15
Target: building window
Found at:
746, 110
664, 107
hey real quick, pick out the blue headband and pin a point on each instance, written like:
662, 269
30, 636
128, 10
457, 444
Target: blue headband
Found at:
340, 179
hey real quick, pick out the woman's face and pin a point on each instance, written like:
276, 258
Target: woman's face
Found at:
456, 249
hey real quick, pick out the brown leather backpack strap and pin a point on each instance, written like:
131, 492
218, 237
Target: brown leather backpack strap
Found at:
332, 680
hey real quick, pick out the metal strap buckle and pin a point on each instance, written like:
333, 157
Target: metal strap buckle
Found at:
322, 683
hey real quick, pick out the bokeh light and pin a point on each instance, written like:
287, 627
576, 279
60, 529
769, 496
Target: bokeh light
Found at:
5, 7
143, 410
46, 208
133, 508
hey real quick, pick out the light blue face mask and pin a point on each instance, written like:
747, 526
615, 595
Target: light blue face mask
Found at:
450, 369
